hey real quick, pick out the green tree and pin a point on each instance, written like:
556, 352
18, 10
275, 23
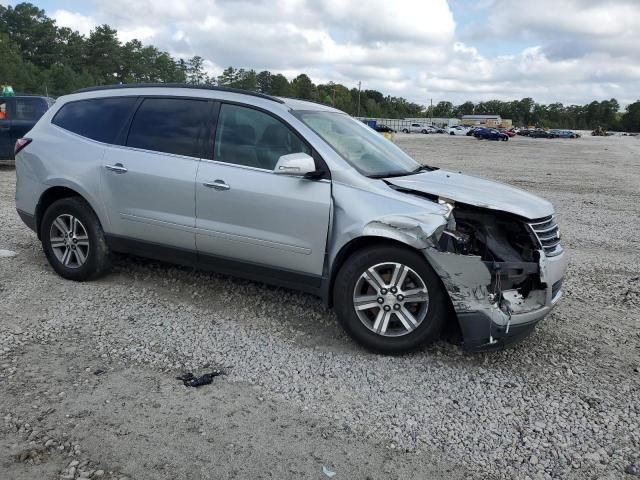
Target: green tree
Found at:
263, 81
303, 87
631, 117
280, 86
104, 55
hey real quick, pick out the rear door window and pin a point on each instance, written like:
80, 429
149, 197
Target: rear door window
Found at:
30, 109
170, 125
249, 137
99, 119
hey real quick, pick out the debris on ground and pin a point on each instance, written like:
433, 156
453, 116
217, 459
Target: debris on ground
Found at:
327, 472
7, 253
190, 380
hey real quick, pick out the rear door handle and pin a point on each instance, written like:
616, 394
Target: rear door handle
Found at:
5, 127
217, 185
118, 168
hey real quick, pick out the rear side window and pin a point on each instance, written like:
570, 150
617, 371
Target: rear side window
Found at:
30, 109
99, 119
170, 125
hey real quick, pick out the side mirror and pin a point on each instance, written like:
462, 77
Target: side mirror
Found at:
296, 164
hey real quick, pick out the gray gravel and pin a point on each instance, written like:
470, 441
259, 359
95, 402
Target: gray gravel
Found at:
298, 394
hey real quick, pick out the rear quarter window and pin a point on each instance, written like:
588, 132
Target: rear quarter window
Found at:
99, 119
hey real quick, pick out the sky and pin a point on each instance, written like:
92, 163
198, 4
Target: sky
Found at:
569, 51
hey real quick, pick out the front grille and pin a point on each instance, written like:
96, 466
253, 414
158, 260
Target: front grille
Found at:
548, 235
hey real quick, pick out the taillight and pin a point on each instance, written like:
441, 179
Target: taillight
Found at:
20, 144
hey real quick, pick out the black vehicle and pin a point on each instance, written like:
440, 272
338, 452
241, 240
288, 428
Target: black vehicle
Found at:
18, 115
524, 132
472, 131
384, 129
539, 133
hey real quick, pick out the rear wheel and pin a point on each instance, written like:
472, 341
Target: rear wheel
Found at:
73, 240
389, 300
404, 130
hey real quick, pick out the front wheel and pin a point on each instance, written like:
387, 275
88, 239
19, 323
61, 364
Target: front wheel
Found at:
389, 300
73, 240
405, 130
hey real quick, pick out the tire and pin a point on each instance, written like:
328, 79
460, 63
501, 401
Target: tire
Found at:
505, 139
424, 131
366, 326
451, 133
83, 256
404, 130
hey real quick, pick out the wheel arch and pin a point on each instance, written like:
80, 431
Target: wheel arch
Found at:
451, 323
53, 194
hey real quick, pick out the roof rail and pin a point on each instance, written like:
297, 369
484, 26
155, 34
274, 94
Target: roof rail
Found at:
179, 85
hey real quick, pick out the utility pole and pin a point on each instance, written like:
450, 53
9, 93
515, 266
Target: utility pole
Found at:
359, 85
431, 110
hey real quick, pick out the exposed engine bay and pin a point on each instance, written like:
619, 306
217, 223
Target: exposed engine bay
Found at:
508, 249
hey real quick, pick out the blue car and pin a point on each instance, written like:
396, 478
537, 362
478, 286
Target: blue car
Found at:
557, 133
490, 134
18, 115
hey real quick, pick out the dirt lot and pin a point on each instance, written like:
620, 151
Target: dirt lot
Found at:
87, 371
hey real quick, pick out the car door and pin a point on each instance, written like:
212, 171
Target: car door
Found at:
6, 147
148, 183
248, 214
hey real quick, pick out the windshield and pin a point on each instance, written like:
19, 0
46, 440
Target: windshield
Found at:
364, 149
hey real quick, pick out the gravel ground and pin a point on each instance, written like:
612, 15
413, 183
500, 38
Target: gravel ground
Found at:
87, 371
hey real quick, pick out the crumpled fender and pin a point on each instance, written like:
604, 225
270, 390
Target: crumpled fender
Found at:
419, 231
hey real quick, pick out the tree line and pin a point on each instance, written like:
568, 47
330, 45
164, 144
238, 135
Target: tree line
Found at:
40, 57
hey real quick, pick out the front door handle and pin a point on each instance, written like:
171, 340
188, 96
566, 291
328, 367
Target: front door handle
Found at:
4, 127
217, 184
118, 168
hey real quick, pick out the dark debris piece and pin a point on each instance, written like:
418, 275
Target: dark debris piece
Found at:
190, 380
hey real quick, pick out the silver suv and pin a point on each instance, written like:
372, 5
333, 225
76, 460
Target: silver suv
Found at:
291, 193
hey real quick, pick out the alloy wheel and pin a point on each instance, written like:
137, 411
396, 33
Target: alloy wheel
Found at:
391, 299
69, 241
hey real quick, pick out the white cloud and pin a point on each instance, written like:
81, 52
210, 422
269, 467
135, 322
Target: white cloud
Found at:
568, 51
75, 21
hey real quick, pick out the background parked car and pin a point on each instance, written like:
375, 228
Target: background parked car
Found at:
490, 134
19, 115
415, 128
458, 130
382, 128
557, 133
433, 129
540, 133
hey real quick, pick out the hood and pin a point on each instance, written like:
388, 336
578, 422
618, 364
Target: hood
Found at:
477, 192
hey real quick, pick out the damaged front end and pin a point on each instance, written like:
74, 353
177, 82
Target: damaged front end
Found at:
502, 272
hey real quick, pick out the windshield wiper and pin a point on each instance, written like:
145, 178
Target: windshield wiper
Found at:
421, 168
389, 174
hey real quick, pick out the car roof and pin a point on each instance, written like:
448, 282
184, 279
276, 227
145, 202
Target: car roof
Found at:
291, 103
